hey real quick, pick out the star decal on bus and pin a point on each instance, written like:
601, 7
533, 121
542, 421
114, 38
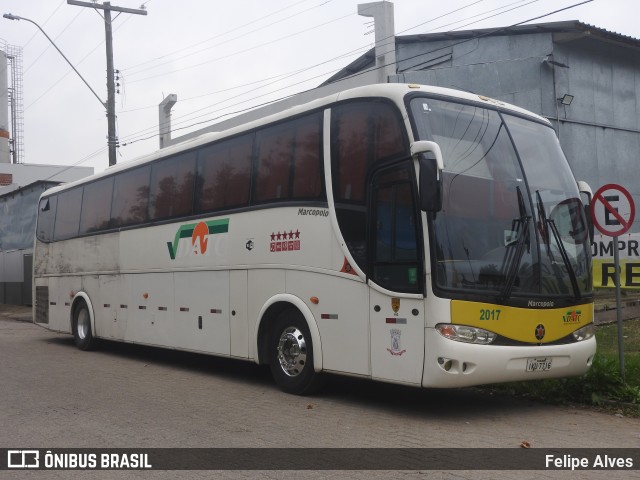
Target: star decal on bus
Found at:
285, 241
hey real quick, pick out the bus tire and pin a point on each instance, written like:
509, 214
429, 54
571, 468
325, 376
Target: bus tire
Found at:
291, 355
81, 327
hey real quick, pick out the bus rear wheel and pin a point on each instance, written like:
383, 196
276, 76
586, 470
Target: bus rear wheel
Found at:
82, 333
291, 355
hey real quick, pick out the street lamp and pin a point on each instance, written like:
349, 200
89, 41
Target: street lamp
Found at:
16, 17
110, 141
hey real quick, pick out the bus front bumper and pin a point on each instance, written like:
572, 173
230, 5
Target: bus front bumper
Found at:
451, 364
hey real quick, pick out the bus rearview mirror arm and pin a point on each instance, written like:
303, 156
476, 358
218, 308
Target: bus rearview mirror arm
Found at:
424, 146
585, 189
430, 182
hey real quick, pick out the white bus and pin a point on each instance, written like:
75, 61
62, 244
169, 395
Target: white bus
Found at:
402, 233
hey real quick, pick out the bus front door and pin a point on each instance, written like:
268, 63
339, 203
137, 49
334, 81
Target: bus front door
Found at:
396, 309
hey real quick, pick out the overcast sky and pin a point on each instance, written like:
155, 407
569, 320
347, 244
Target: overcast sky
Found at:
218, 57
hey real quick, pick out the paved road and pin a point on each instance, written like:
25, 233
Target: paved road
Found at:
55, 396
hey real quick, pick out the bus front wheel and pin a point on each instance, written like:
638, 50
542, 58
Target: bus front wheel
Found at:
82, 333
291, 356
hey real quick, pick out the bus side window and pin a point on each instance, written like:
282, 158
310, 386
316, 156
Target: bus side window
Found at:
68, 214
273, 163
171, 189
308, 175
362, 134
131, 197
224, 173
46, 218
289, 161
96, 206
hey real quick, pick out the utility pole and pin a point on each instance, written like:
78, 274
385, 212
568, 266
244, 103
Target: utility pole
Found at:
112, 139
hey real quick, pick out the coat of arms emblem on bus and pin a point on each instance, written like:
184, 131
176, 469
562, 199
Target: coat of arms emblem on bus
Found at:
395, 342
199, 234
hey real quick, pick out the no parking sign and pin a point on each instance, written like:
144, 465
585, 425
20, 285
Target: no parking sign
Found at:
612, 210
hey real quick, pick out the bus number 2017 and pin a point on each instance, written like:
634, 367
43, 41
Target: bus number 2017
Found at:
489, 314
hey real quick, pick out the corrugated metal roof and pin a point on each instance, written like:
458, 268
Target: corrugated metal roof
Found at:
571, 26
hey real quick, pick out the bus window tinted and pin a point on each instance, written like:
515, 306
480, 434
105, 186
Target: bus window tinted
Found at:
68, 214
96, 206
131, 197
172, 187
46, 218
308, 175
289, 160
363, 134
224, 175
273, 163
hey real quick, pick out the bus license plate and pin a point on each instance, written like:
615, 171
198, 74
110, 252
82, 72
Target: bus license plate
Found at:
538, 364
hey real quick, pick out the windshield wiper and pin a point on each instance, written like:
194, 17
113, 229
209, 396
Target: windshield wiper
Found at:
512, 257
547, 222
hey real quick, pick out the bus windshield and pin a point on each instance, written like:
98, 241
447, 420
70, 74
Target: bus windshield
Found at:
512, 222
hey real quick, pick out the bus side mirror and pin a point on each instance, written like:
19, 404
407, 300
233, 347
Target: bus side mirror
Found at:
586, 195
430, 180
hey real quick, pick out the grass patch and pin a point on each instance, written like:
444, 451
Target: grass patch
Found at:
607, 337
602, 385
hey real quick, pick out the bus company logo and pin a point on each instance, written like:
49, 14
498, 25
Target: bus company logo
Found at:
23, 459
539, 332
572, 316
285, 241
396, 348
199, 234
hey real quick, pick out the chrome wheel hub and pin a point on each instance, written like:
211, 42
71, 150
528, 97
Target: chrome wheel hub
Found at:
292, 351
84, 324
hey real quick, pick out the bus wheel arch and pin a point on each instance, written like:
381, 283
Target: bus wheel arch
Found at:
289, 321
83, 322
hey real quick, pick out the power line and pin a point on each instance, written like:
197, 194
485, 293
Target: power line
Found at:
49, 46
271, 42
392, 41
441, 16
44, 24
271, 80
496, 14
134, 67
55, 84
135, 140
474, 37
391, 38
79, 162
298, 71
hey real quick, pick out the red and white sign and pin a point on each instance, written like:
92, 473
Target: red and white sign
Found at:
612, 210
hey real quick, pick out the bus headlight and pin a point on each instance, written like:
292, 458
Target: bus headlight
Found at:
463, 333
584, 333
